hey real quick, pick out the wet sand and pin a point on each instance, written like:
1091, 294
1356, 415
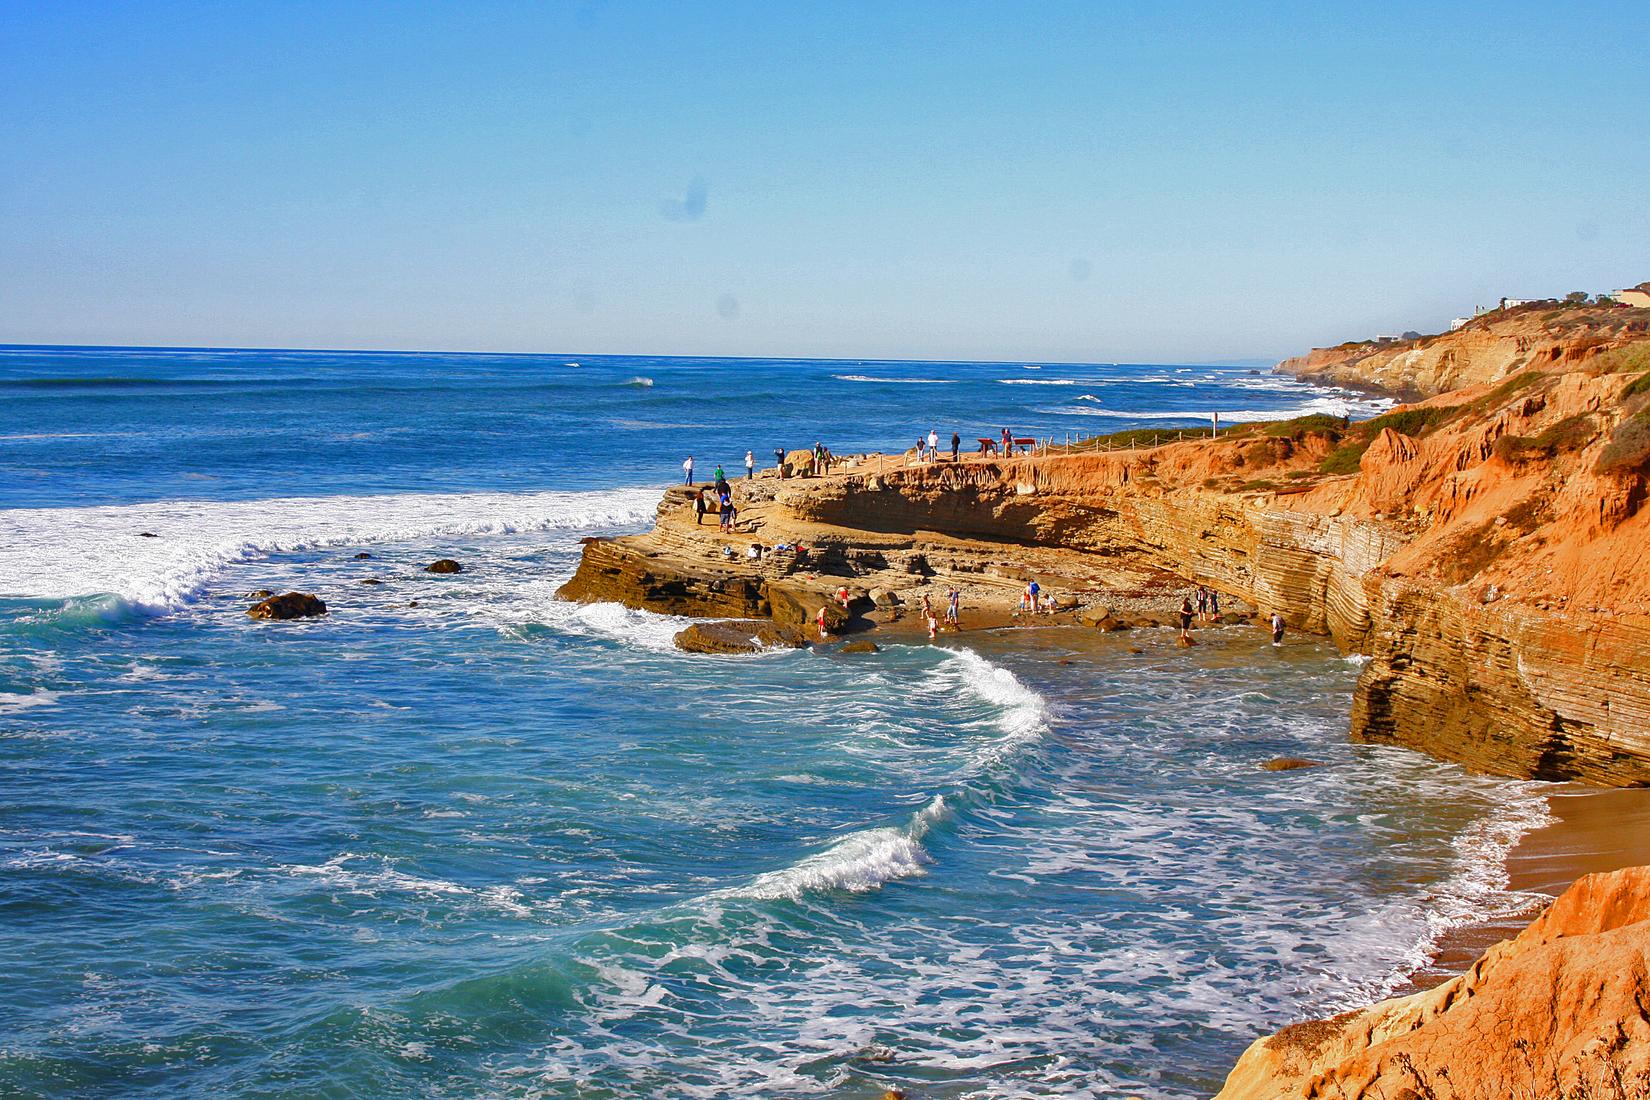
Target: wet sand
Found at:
1592, 830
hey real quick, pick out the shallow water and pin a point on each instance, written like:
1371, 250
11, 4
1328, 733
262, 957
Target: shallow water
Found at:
501, 845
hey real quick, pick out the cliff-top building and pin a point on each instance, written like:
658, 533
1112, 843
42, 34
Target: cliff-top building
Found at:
1636, 296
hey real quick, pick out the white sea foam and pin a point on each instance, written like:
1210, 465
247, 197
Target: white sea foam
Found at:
640, 381
898, 381
1044, 382
858, 862
73, 552
1327, 406
14, 702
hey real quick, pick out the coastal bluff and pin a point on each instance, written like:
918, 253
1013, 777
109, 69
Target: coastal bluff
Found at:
1560, 1010
1486, 550
1487, 348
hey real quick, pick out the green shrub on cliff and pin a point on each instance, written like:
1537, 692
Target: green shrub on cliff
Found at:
1629, 447
1508, 388
1638, 386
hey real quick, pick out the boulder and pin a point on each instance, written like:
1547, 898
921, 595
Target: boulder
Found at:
444, 565
372, 580
362, 556
799, 463
885, 597
861, 647
795, 609
1289, 764
734, 636
259, 594
290, 605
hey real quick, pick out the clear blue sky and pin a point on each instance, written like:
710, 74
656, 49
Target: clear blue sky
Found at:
948, 180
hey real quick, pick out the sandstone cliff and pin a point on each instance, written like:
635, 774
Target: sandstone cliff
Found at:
1487, 349
1488, 550
1561, 1010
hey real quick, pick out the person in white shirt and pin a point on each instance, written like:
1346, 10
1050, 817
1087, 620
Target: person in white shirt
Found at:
687, 470
933, 444
750, 465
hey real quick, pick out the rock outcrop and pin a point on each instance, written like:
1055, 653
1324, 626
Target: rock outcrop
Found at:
288, 605
735, 636
1561, 1010
444, 565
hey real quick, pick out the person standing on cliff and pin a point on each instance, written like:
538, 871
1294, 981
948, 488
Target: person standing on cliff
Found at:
1277, 628
1008, 443
779, 460
933, 444
956, 446
699, 506
750, 465
687, 470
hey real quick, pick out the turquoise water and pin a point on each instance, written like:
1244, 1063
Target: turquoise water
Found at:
499, 845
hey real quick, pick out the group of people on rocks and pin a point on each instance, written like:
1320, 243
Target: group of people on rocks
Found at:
723, 498
1203, 604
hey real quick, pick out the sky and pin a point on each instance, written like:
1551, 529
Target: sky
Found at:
1084, 182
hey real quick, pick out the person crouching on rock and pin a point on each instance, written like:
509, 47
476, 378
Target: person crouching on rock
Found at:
1186, 616
699, 506
842, 597
1277, 629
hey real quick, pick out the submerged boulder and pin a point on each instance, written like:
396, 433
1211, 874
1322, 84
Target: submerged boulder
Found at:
861, 647
444, 565
1290, 763
289, 605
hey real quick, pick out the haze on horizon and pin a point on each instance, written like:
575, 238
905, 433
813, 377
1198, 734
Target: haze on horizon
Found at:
1070, 182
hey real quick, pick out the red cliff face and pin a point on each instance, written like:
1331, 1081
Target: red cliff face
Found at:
1489, 550
1562, 1010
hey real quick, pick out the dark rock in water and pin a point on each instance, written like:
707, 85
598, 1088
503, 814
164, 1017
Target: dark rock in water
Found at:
289, 605
1235, 618
1290, 763
414, 603
259, 594
362, 556
861, 647
147, 535
444, 565
372, 580
734, 636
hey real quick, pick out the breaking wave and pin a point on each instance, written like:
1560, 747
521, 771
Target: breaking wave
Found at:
58, 553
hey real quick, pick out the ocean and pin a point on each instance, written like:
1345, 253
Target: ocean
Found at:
461, 839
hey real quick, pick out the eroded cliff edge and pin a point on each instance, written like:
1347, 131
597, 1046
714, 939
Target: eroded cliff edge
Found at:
1488, 550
